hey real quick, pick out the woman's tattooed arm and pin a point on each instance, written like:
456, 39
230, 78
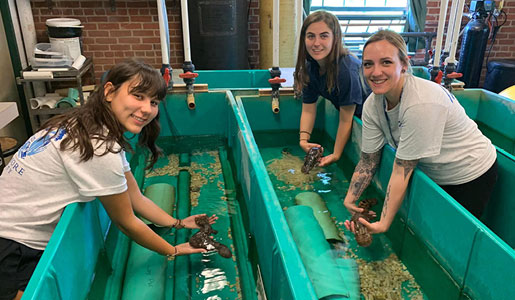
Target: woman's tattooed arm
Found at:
401, 174
363, 173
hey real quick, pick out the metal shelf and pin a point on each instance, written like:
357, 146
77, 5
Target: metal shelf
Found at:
71, 75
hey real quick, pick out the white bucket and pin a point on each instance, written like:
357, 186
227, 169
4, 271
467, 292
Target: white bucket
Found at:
65, 33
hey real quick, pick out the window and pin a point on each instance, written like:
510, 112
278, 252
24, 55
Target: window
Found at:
360, 18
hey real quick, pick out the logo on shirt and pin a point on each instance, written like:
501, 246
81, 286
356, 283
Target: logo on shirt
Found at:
36, 145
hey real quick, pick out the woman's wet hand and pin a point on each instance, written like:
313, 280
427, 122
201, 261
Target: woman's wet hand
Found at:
190, 223
327, 160
186, 248
305, 145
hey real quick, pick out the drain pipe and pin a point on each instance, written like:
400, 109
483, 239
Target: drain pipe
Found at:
164, 36
299, 17
28, 32
436, 72
450, 62
188, 68
275, 73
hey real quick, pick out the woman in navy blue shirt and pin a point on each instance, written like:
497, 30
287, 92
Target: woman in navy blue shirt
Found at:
326, 68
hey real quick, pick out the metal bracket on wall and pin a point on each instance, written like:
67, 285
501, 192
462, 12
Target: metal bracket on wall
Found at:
49, 4
113, 5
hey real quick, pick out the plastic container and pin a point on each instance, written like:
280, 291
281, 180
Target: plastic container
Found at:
66, 32
51, 56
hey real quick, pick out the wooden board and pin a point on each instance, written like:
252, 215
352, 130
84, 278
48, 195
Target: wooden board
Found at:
286, 91
197, 88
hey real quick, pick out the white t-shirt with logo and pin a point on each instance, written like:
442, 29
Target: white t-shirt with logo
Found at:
430, 125
40, 181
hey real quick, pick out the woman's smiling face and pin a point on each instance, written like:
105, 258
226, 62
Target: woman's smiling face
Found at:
319, 40
132, 109
382, 68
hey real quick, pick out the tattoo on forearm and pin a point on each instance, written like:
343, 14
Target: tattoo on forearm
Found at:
386, 199
364, 171
407, 165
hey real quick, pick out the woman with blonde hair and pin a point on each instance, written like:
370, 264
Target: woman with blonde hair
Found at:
426, 126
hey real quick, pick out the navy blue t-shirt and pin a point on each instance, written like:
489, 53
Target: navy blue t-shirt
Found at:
350, 89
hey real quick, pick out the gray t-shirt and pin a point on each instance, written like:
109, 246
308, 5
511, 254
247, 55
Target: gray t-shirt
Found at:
428, 124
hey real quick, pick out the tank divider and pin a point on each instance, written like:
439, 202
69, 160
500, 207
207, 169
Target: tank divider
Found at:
248, 285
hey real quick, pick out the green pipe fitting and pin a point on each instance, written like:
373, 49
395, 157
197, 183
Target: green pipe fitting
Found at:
330, 278
322, 214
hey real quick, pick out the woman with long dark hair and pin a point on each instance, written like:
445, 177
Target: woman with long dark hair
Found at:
326, 68
77, 157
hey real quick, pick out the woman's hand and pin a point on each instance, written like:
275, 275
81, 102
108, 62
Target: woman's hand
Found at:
327, 160
305, 145
352, 207
186, 248
189, 222
376, 227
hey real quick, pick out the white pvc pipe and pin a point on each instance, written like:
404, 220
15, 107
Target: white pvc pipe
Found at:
185, 30
163, 32
450, 26
275, 34
27, 41
440, 31
455, 34
18, 33
298, 25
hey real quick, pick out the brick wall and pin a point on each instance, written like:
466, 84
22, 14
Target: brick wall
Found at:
131, 30
504, 45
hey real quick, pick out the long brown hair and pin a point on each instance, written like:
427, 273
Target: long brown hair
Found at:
337, 50
90, 121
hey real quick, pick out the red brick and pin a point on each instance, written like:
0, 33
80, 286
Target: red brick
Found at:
93, 4
108, 26
118, 47
137, 4
105, 41
131, 26
150, 26
96, 33
96, 19
104, 61
118, 19
129, 40
120, 33
151, 40
96, 47
141, 19
141, 47
145, 33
